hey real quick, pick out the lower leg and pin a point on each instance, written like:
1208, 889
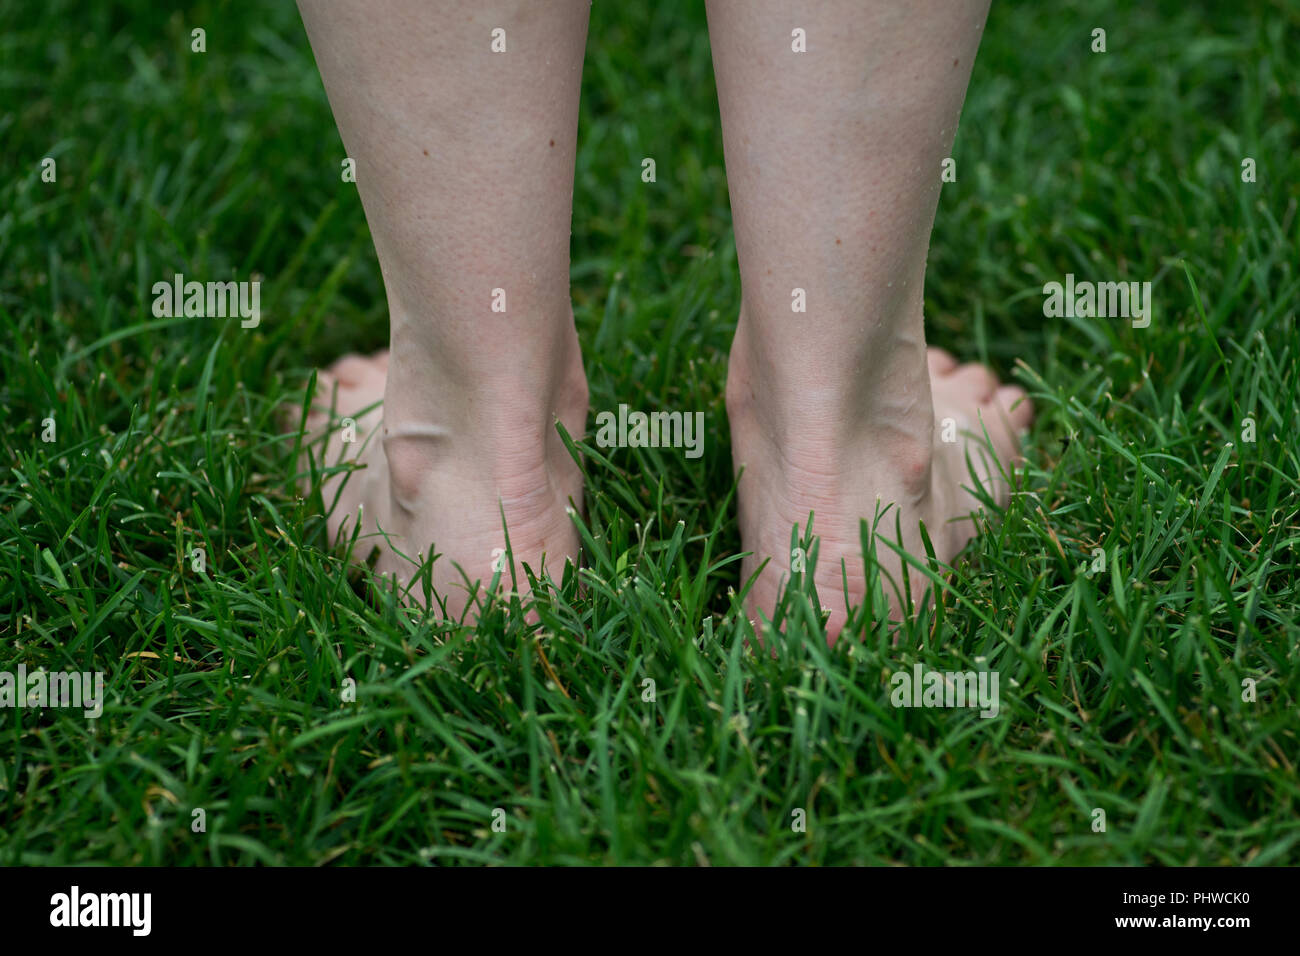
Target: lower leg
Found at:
464, 164
834, 163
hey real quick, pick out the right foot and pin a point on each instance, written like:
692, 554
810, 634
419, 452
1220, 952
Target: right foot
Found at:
843, 464
432, 483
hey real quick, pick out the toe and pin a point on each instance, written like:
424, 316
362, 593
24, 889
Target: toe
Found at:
1004, 425
1018, 407
353, 370
978, 379
318, 410
940, 362
317, 420
326, 388
361, 381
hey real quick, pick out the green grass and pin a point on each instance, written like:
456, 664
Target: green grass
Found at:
1120, 690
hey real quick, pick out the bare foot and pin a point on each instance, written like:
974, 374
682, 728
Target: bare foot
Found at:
908, 449
427, 485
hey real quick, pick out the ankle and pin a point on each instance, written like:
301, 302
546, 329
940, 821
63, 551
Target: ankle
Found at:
498, 431
817, 434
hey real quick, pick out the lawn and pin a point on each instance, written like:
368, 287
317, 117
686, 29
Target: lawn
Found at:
1139, 599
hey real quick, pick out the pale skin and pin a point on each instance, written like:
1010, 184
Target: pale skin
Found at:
465, 170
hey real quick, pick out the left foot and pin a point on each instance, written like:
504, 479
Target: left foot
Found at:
427, 483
